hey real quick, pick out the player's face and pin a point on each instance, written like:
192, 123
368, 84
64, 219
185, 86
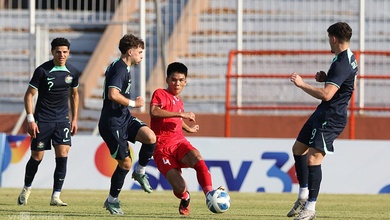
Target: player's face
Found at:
136, 55
60, 55
176, 83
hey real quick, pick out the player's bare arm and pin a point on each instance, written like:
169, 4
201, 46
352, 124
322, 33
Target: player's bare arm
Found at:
115, 95
32, 128
74, 106
324, 94
157, 112
190, 129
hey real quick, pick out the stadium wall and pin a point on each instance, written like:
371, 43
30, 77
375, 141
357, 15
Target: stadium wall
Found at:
240, 164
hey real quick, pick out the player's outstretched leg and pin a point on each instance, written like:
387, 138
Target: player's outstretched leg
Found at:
23, 196
184, 207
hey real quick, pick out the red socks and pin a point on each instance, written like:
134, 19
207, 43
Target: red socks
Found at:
203, 176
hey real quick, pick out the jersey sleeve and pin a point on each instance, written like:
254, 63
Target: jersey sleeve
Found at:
76, 76
39, 73
117, 79
337, 74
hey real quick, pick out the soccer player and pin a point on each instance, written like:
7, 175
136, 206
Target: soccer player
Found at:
316, 137
173, 151
117, 126
56, 81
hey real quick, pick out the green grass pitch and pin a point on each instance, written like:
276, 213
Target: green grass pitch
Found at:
88, 204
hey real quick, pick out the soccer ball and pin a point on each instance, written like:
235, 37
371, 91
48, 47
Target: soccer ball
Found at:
218, 201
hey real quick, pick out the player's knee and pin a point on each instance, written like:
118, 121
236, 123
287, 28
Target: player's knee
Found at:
152, 139
125, 164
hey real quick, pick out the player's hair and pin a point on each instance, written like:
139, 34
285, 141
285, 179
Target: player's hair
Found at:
177, 67
59, 41
341, 30
130, 41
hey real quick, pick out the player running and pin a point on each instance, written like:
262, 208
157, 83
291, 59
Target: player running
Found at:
316, 137
173, 151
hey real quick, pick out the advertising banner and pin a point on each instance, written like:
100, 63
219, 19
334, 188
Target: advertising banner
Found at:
240, 164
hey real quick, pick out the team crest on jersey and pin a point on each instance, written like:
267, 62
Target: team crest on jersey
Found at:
68, 79
41, 145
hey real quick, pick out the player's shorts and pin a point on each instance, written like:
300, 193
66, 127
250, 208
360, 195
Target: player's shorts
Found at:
117, 138
169, 157
317, 133
51, 133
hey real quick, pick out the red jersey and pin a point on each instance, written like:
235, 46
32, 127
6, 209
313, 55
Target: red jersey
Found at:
167, 129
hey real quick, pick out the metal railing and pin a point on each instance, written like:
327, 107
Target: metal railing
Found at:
363, 79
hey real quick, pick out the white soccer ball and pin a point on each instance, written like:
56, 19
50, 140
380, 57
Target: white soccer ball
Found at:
218, 201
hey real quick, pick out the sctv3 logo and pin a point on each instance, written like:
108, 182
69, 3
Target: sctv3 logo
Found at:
234, 183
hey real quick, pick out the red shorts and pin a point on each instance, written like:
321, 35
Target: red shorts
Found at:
168, 156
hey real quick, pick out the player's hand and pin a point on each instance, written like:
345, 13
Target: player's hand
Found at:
321, 76
32, 129
74, 128
193, 129
189, 115
296, 79
139, 102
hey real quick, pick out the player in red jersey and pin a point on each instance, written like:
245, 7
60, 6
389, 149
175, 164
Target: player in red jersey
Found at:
173, 151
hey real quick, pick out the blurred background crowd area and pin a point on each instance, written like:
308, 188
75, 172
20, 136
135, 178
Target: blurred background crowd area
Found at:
280, 36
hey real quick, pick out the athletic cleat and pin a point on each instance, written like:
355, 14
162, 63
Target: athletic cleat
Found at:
306, 214
297, 208
184, 207
113, 208
23, 196
56, 201
142, 179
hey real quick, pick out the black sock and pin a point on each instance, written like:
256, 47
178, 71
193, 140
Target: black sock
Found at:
301, 170
315, 177
145, 154
117, 181
31, 170
59, 173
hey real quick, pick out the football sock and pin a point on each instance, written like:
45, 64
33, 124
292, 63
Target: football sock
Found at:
117, 181
303, 193
31, 170
112, 199
301, 170
140, 169
59, 173
184, 195
315, 177
311, 205
203, 176
56, 193
145, 154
